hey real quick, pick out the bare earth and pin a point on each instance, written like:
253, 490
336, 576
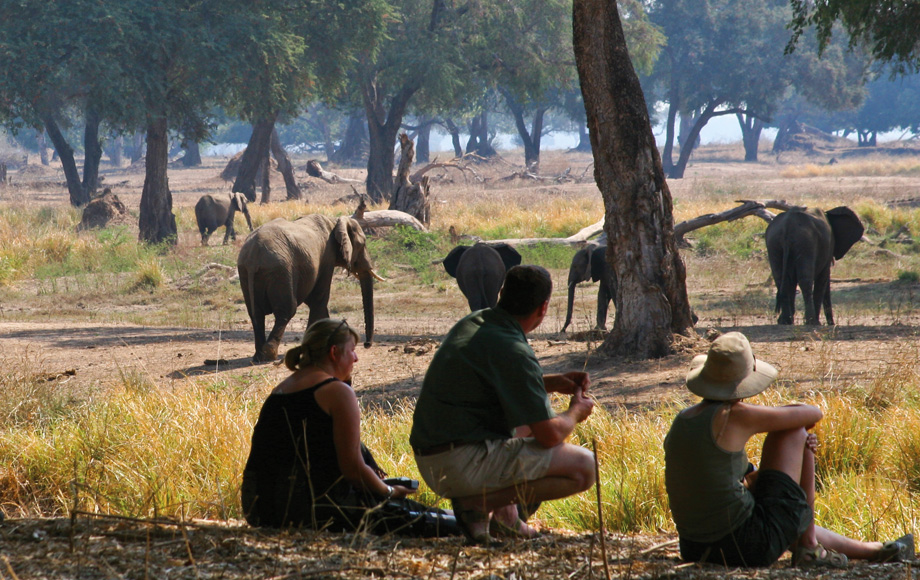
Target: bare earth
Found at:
86, 355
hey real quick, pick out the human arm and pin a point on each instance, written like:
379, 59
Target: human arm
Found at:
339, 400
746, 420
567, 383
553, 431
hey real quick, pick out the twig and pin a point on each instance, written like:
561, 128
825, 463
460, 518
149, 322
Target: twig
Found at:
146, 521
600, 513
453, 566
658, 547
9, 568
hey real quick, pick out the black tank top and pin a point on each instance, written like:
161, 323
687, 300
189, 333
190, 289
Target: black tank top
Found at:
292, 439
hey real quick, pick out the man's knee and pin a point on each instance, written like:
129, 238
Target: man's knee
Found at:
577, 464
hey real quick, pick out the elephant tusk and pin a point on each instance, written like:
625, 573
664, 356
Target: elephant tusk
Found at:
377, 277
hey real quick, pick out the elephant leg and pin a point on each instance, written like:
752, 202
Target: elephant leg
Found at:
808, 297
204, 239
823, 298
603, 302
229, 234
269, 350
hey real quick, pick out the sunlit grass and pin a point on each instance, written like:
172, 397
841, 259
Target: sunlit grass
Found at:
905, 167
143, 450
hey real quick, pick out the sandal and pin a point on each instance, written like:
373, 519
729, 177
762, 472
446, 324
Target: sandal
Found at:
818, 557
900, 550
467, 517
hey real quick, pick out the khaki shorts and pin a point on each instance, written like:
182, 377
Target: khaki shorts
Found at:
483, 467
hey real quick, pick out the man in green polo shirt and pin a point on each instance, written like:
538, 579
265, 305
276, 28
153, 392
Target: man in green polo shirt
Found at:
483, 387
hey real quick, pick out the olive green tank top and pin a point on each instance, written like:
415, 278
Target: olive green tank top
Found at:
708, 500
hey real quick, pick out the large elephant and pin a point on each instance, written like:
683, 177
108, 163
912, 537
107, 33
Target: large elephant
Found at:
802, 244
284, 264
480, 271
590, 263
212, 212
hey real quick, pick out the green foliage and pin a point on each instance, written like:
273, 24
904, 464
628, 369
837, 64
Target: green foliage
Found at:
405, 246
908, 276
550, 256
738, 238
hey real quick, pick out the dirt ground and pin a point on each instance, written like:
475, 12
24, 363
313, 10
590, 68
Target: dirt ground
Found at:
80, 354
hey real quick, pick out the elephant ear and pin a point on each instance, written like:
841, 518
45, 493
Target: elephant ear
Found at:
342, 236
238, 202
598, 263
452, 259
509, 255
847, 228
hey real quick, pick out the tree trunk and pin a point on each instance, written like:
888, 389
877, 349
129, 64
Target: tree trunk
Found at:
530, 139
651, 298
265, 172
410, 198
157, 222
117, 151
192, 157
584, 140
690, 140
382, 126
667, 154
354, 143
256, 150
478, 142
423, 144
454, 137
285, 167
65, 152
43, 148
751, 127
137, 151
92, 153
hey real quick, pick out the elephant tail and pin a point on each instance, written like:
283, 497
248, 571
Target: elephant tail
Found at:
785, 283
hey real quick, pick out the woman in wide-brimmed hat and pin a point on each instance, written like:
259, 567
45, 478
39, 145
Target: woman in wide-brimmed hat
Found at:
725, 511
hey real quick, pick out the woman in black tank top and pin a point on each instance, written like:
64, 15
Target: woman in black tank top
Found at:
307, 466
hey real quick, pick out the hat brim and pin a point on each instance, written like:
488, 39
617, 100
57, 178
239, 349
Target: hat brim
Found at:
753, 384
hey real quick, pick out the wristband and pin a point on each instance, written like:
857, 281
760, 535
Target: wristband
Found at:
390, 491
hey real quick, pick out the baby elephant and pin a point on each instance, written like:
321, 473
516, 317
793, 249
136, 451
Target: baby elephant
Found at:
213, 212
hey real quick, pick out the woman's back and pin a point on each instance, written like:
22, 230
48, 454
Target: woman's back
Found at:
703, 480
293, 460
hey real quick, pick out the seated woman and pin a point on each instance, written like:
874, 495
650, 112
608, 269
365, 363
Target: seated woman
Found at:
307, 466
727, 513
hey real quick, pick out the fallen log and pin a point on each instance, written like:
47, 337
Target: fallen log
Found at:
384, 218
314, 169
578, 239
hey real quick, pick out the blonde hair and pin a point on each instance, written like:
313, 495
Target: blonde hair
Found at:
318, 339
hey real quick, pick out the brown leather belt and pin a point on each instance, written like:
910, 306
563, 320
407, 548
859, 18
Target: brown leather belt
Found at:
434, 450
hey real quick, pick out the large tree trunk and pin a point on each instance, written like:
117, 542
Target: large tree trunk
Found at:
423, 145
751, 127
691, 138
117, 151
531, 139
137, 147
354, 143
192, 157
43, 148
265, 173
667, 154
454, 137
382, 125
285, 167
92, 153
478, 142
651, 299
157, 222
410, 198
256, 150
65, 152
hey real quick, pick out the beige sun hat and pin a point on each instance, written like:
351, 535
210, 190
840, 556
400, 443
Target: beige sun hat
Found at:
729, 371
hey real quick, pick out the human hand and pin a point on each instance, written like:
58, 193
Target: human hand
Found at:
567, 383
400, 492
580, 405
811, 442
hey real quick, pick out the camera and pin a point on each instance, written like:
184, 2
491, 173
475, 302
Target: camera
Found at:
402, 481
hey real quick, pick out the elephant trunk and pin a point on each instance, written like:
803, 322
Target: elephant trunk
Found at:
569, 305
248, 219
367, 298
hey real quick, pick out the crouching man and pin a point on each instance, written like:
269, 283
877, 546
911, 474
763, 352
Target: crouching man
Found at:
483, 383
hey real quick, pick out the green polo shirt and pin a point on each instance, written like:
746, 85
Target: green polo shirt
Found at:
483, 381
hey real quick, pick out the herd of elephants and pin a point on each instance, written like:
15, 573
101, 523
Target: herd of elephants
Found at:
283, 264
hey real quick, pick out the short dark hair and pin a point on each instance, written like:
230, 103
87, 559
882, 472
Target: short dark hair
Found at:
525, 289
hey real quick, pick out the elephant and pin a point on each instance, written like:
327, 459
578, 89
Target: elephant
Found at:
213, 212
802, 244
283, 264
590, 263
480, 271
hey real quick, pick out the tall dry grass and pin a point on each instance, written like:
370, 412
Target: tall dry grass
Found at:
144, 449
